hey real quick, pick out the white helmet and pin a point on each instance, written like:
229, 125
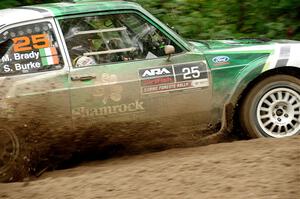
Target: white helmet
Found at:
84, 61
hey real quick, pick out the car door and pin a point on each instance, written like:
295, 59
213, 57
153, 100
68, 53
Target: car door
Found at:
121, 75
33, 78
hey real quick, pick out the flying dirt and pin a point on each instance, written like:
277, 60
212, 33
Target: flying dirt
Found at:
261, 168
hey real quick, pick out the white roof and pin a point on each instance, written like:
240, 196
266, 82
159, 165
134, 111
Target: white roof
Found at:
11, 16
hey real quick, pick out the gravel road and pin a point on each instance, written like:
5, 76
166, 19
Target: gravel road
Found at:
262, 168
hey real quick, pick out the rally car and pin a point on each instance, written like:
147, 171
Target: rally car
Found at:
71, 66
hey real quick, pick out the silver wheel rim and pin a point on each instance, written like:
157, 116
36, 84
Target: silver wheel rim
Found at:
278, 113
9, 150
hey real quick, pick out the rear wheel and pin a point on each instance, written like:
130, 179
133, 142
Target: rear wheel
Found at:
11, 168
272, 108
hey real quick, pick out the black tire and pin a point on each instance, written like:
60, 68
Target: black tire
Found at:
12, 158
268, 109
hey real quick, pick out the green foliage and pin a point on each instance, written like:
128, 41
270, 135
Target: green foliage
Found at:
8, 3
14, 3
211, 19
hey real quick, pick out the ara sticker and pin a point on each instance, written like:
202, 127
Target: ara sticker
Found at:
157, 76
174, 77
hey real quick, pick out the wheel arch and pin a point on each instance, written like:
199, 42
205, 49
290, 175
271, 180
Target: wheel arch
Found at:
230, 110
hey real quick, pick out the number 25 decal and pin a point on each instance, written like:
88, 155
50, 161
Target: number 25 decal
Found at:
28, 43
191, 73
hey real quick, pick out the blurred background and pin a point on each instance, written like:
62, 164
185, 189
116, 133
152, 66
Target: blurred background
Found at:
219, 19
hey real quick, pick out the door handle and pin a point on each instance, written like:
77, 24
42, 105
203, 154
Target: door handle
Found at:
83, 78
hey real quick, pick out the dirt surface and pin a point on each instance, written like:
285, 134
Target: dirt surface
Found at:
262, 168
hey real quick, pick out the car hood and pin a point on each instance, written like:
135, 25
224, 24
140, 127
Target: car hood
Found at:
233, 53
231, 43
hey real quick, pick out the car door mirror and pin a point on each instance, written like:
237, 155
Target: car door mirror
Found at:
169, 50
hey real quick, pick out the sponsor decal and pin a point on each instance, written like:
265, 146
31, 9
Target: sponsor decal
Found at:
84, 112
112, 92
221, 60
175, 77
157, 76
157, 72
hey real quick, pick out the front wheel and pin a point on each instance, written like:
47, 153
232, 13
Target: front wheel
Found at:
272, 108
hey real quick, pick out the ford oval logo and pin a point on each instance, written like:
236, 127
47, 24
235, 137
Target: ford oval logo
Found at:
221, 59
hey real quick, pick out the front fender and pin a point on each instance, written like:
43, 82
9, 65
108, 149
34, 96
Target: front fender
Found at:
245, 76
242, 79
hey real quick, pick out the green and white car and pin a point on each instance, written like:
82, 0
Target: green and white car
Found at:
72, 66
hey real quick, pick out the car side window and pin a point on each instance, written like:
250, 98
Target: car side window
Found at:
29, 49
112, 38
